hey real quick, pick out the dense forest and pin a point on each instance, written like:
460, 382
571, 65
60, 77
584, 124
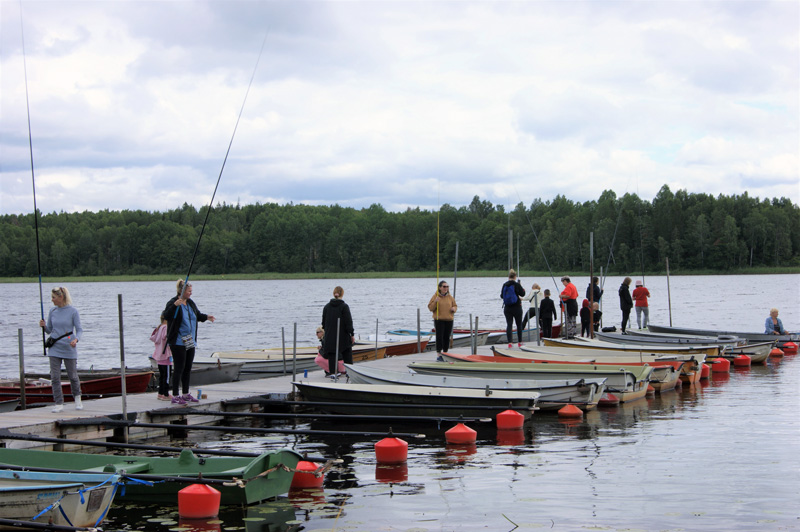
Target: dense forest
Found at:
693, 231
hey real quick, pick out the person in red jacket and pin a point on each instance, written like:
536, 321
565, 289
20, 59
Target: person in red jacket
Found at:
640, 295
569, 297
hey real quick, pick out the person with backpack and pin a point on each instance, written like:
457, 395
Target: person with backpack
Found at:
569, 296
512, 294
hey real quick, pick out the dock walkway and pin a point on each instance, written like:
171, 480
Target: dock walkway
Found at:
146, 408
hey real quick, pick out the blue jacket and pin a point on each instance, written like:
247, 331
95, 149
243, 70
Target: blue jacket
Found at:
769, 327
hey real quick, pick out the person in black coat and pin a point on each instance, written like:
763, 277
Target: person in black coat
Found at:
182, 318
337, 340
625, 302
593, 291
512, 310
547, 313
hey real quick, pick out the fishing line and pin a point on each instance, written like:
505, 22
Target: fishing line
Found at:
611, 248
541, 248
33, 177
230, 144
641, 238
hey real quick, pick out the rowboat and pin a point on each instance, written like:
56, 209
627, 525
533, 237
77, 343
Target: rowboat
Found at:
247, 480
459, 339
395, 345
779, 339
9, 405
666, 373
586, 343
628, 383
77, 500
262, 363
645, 337
41, 390
399, 399
584, 393
758, 351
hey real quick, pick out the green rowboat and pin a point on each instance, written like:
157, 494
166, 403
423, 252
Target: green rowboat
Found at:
241, 480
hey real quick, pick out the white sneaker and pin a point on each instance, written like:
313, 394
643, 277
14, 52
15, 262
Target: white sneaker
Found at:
78, 403
57, 408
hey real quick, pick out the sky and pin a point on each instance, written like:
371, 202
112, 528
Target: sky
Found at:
133, 105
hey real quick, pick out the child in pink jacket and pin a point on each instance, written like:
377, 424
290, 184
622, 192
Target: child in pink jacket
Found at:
163, 358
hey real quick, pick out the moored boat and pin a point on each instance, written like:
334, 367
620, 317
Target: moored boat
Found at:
41, 390
628, 384
61, 499
779, 339
458, 339
260, 478
395, 345
398, 399
584, 393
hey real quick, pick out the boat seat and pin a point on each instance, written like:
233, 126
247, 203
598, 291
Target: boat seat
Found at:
136, 467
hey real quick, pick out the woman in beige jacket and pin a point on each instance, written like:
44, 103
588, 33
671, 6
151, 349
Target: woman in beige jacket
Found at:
443, 306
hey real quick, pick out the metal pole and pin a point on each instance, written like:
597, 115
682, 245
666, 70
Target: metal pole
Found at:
336, 359
475, 338
669, 295
294, 353
455, 272
419, 333
376, 338
591, 284
536, 317
122, 367
21, 371
283, 348
471, 331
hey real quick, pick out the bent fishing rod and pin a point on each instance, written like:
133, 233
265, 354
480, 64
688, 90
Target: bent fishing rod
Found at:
33, 178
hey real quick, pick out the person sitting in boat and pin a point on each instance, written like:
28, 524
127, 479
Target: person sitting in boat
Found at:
774, 325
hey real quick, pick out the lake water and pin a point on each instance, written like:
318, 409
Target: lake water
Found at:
721, 456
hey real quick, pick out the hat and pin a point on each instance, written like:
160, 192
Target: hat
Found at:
638, 283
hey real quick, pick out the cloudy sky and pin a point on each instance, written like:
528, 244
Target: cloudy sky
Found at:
406, 104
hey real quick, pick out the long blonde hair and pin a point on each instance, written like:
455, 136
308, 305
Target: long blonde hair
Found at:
179, 285
62, 291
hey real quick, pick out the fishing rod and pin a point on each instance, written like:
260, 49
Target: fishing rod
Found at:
611, 247
33, 177
541, 248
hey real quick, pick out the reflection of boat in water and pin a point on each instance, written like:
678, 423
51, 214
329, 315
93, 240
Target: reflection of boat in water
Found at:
272, 516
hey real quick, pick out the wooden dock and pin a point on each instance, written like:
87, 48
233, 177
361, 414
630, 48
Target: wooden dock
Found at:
87, 424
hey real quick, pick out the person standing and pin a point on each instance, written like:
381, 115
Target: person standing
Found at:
339, 334
547, 313
597, 315
163, 357
569, 296
443, 306
593, 291
586, 318
182, 317
512, 293
64, 327
531, 297
625, 302
640, 295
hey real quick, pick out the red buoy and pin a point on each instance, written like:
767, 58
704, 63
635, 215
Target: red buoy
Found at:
607, 399
571, 411
304, 476
705, 372
790, 348
510, 419
391, 451
721, 365
776, 353
461, 434
198, 501
741, 361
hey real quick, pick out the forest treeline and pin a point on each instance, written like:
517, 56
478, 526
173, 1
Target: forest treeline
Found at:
693, 231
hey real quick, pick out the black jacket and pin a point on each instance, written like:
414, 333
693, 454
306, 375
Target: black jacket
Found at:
598, 293
625, 300
334, 311
547, 310
174, 319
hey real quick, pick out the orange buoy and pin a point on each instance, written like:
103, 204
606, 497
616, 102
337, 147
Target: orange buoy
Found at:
721, 365
391, 451
790, 348
198, 501
776, 353
304, 476
741, 361
607, 399
388, 473
461, 434
705, 372
510, 437
572, 411
510, 419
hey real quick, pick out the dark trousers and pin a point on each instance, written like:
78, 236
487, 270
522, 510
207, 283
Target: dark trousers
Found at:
530, 316
182, 359
163, 379
585, 328
444, 328
513, 313
547, 328
626, 314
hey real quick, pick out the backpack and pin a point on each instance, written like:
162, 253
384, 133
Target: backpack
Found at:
510, 295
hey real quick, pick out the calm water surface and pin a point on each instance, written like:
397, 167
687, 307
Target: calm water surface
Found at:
721, 456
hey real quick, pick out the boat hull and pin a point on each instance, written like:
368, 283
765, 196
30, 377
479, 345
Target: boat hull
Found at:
91, 388
780, 339
256, 488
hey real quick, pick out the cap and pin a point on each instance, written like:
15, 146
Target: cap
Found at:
638, 283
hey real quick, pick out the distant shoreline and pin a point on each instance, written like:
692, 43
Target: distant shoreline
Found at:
272, 276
